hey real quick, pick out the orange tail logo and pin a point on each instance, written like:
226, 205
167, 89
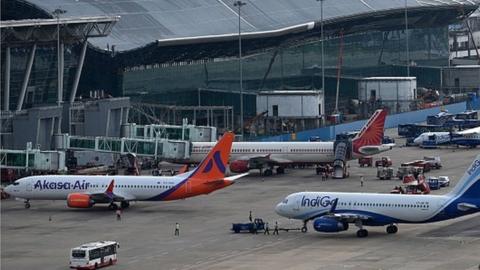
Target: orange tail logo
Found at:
210, 169
372, 132
214, 165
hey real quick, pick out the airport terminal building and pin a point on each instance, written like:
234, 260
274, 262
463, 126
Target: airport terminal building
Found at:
186, 53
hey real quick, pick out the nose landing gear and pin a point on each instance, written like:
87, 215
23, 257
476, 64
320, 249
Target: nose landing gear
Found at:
27, 204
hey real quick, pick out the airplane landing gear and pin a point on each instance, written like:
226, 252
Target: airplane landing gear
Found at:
268, 172
280, 170
391, 229
113, 206
304, 228
27, 204
124, 204
361, 232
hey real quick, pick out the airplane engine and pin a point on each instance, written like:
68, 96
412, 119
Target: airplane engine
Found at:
79, 200
326, 224
239, 166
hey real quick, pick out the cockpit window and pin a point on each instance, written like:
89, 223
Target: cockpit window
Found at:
285, 201
16, 183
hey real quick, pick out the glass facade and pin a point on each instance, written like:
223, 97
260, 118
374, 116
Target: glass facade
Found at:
42, 85
367, 54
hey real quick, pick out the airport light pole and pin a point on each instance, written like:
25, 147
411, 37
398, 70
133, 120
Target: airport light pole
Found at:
239, 4
406, 39
57, 12
323, 56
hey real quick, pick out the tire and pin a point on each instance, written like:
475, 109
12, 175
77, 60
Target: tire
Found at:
391, 229
236, 231
362, 233
304, 229
27, 205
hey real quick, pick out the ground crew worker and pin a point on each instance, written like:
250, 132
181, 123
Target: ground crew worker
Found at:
275, 229
119, 214
250, 216
177, 229
361, 181
267, 230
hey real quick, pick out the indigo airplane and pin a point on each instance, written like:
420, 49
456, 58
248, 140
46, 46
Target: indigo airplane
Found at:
84, 191
333, 211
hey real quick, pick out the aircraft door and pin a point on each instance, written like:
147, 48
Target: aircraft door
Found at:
296, 205
28, 187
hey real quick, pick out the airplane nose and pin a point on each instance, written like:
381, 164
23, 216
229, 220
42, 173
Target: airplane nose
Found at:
279, 209
8, 189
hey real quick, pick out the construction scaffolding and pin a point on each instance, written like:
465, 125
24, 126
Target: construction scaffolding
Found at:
218, 116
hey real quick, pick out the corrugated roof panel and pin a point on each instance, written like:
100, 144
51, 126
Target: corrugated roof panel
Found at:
144, 21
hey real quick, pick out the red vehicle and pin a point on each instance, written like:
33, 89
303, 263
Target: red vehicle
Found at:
425, 165
383, 162
412, 186
365, 161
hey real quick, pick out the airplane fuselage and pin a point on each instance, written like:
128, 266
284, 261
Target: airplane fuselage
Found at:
133, 188
383, 209
295, 152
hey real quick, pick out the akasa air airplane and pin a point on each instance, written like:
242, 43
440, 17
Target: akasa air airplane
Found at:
267, 155
85, 191
333, 211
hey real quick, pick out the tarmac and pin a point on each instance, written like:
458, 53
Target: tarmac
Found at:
41, 237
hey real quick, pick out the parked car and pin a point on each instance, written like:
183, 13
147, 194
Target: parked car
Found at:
433, 183
425, 165
384, 173
383, 162
444, 181
365, 161
406, 170
435, 162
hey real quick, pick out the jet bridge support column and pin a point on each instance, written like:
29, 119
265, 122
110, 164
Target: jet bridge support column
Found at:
26, 78
6, 94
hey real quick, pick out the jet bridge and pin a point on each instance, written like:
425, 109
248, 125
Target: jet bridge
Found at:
160, 149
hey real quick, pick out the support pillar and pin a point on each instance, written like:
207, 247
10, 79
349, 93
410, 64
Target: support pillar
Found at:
73, 93
26, 78
60, 65
6, 94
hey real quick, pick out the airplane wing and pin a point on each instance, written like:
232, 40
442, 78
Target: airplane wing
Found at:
466, 206
345, 217
110, 196
230, 178
265, 159
349, 217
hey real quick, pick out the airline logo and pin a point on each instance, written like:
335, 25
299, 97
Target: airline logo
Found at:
218, 161
323, 201
41, 185
474, 167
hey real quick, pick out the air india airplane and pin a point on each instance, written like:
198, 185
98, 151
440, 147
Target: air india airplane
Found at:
82, 191
267, 155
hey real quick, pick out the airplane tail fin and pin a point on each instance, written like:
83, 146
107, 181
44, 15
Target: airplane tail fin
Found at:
214, 165
369, 140
372, 132
469, 185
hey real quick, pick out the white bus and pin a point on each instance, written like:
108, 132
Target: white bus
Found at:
94, 255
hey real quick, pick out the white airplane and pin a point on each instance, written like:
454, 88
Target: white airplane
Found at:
267, 155
435, 138
333, 211
467, 137
81, 191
